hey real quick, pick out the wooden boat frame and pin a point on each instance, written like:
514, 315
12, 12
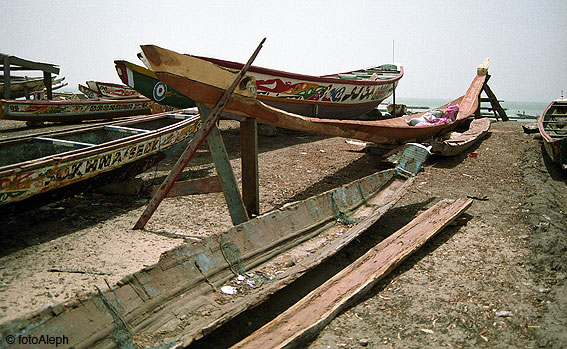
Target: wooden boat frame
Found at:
553, 129
454, 143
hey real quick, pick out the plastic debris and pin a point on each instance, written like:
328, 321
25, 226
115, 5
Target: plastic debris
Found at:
228, 290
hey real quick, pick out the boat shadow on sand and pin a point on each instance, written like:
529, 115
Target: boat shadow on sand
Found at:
553, 169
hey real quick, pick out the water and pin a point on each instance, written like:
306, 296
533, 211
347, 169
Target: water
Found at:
511, 107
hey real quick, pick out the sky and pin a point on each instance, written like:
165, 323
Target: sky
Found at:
439, 43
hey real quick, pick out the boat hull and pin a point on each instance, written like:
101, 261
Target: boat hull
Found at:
182, 72
321, 96
552, 125
72, 110
99, 162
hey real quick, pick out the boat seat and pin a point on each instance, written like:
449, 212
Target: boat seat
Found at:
125, 129
180, 116
63, 142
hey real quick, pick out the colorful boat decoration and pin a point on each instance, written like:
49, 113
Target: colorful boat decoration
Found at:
552, 125
90, 93
108, 89
41, 167
73, 110
183, 297
346, 95
146, 83
205, 82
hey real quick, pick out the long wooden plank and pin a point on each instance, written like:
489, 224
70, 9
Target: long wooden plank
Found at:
304, 319
203, 132
194, 186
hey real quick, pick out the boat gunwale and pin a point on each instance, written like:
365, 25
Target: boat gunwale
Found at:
98, 148
297, 76
542, 130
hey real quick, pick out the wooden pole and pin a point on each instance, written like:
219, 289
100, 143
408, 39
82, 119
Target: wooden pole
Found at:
249, 160
226, 174
200, 136
6, 77
47, 83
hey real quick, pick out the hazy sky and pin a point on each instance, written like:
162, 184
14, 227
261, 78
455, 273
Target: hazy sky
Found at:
439, 43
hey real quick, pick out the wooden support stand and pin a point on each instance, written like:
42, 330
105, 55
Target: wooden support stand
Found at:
496, 107
249, 159
218, 151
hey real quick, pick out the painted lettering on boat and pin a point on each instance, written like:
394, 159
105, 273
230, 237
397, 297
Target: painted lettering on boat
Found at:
66, 172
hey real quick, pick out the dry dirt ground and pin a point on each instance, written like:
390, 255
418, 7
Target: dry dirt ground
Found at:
499, 281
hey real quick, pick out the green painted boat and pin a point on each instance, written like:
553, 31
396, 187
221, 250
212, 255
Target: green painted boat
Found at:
146, 83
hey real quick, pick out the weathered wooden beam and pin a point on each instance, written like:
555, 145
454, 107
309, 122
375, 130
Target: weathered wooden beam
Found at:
193, 186
308, 316
48, 87
227, 179
249, 160
29, 65
494, 102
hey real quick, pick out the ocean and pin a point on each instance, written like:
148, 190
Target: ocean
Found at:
511, 107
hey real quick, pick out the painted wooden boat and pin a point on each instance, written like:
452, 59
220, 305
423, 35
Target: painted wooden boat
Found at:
348, 95
552, 125
89, 92
205, 82
73, 110
25, 86
453, 143
39, 167
146, 83
182, 297
108, 89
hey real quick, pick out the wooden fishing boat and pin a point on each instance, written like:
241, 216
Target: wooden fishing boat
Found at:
73, 110
552, 125
205, 82
348, 95
108, 89
40, 167
197, 287
453, 143
146, 83
89, 92
25, 86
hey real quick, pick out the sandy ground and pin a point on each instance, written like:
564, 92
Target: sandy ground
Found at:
498, 281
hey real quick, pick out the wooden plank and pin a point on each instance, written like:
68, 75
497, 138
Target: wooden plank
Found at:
193, 186
249, 160
494, 102
308, 316
200, 136
228, 182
